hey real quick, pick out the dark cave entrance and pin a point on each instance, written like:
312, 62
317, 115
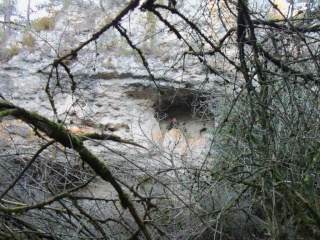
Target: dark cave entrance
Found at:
192, 111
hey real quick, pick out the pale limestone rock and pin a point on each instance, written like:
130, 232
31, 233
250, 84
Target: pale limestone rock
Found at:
175, 142
114, 93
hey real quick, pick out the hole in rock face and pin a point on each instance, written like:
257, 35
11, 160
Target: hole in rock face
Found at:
191, 112
194, 111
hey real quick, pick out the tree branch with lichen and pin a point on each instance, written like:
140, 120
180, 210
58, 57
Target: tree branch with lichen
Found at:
59, 133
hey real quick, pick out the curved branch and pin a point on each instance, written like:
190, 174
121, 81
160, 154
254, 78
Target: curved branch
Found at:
144, 61
96, 136
281, 65
288, 29
69, 140
26, 168
131, 6
25, 207
193, 26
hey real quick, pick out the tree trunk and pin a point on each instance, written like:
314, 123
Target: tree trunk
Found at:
28, 13
101, 5
8, 9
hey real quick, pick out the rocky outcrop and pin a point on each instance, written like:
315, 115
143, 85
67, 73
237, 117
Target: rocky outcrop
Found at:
114, 93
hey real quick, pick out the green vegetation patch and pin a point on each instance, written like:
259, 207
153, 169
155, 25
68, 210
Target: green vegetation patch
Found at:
43, 24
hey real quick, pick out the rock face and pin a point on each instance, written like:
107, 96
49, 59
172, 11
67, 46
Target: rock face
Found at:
109, 90
113, 93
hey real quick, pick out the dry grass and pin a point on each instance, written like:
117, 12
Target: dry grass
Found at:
43, 24
28, 40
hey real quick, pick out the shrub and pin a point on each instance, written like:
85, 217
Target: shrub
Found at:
43, 24
28, 40
12, 51
7, 53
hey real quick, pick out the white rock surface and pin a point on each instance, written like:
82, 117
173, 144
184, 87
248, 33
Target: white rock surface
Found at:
114, 93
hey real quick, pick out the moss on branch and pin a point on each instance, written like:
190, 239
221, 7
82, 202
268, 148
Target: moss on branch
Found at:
59, 133
5, 113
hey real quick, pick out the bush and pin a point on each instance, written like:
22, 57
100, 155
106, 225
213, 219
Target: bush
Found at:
8, 53
28, 40
43, 24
